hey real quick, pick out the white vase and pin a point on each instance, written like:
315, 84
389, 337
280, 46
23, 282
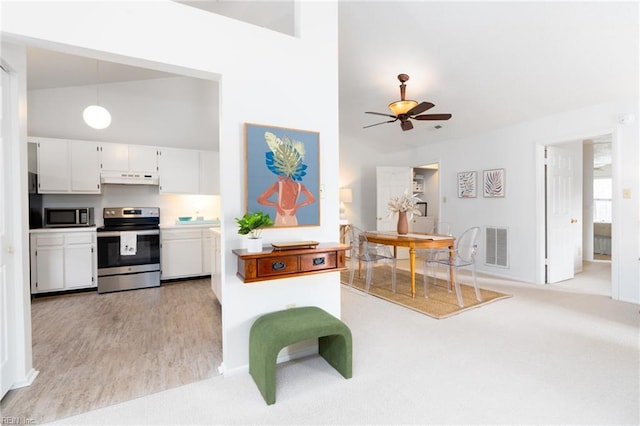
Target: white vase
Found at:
254, 245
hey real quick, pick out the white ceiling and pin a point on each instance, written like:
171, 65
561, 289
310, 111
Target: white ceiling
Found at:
490, 64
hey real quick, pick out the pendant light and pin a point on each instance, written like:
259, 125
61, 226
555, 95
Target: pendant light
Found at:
94, 115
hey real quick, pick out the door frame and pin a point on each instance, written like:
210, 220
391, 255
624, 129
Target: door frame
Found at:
540, 242
16, 212
439, 195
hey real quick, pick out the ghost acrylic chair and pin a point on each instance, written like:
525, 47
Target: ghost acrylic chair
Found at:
464, 255
365, 253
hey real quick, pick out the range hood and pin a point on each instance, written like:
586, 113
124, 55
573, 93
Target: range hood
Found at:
129, 178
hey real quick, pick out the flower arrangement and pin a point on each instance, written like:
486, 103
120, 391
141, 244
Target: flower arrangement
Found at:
252, 223
404, 203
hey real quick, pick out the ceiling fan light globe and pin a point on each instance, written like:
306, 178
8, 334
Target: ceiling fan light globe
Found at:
401, 107
97, 117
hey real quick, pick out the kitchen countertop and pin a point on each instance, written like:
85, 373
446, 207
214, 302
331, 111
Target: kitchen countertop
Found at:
191, 224
71, 229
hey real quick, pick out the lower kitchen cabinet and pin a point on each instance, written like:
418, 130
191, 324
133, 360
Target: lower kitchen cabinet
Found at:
216, 264
185, 252
63, 261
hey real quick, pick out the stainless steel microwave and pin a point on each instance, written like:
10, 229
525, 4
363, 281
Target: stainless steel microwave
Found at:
67, 217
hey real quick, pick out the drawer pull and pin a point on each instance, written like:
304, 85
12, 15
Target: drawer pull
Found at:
278, 266
318, 261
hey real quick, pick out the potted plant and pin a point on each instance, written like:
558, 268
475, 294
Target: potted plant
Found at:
405, 205
251, 224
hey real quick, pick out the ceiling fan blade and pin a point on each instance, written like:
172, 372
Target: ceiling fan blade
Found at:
406, 125
420, 108
380, 113
432, 117
384, 122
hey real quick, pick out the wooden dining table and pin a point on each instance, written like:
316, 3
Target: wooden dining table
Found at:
413, 241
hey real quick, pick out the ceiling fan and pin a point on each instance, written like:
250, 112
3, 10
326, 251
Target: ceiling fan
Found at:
404, 110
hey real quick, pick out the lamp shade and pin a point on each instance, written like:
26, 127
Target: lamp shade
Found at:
401, 107
346, 195
97, 117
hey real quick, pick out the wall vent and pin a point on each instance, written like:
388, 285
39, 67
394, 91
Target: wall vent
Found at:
496, 250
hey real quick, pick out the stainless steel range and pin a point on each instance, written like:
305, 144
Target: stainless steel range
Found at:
129, 249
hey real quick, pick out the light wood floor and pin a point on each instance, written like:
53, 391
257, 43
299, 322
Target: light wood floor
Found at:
95, 350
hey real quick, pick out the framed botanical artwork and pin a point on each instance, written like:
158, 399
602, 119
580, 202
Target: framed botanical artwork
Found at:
283, 174
494, 181
466, 185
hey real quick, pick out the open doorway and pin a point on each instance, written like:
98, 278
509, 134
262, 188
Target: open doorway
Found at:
578, 208
426, 186
598, 193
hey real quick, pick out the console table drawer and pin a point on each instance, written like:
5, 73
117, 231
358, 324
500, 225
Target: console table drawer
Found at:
314, 262
277, 266
271, 264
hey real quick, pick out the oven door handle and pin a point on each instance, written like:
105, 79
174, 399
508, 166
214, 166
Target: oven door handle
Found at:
117, 233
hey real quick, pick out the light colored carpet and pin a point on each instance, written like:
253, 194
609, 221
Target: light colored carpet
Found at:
548, 355
441, 302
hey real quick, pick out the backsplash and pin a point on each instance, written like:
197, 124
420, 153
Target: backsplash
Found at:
171, 205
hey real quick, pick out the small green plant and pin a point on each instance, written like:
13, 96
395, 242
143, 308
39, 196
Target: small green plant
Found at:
252, 223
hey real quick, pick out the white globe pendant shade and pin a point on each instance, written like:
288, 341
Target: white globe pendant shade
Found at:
97, 117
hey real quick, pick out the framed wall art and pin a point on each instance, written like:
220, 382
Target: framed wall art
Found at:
283, 174
466, 185
493, 183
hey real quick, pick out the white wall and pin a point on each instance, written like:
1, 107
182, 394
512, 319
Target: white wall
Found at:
174, 112
171, 205
266, 78
515, 149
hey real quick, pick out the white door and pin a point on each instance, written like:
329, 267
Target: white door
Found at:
7, 291
563, 218
390, 182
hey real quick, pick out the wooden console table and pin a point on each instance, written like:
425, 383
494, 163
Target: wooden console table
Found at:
272, 264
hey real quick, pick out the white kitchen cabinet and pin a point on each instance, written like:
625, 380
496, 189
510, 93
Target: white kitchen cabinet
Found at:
180, 253
118, 158
63, 261
84, 172
53, 166
47, 261
67, 166
185, 252
209, 173
114, 157
216, 264
143, 158
188, 171
179, 171
206, 252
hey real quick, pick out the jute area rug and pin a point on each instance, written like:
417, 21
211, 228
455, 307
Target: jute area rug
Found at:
440, 304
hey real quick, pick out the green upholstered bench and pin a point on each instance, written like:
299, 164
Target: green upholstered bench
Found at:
276, 330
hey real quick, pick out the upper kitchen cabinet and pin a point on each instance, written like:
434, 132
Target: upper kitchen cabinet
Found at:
209, 172
123, 161
67, 166
179, 171
188, 171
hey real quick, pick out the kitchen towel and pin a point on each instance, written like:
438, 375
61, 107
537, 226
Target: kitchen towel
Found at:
128, 243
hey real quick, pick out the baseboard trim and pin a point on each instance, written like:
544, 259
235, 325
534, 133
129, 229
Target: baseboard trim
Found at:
283, 357
27, 380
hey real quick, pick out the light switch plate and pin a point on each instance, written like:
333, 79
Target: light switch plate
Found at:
626, 193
